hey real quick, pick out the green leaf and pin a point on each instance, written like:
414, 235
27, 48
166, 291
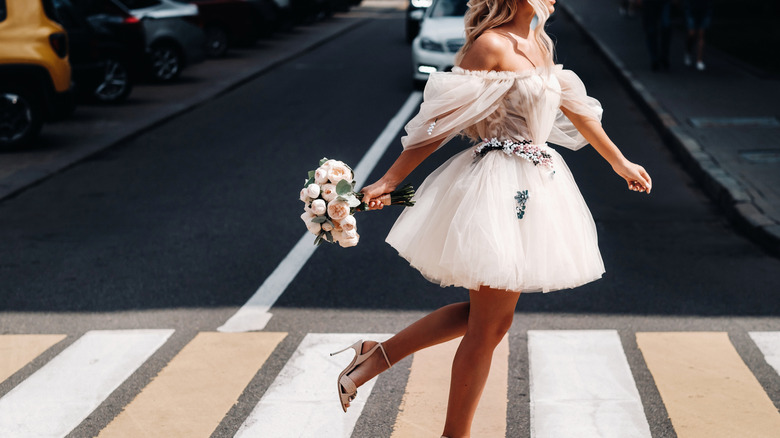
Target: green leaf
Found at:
309, 182
329, 236
343, 187
311, 174
319, 219
323, 160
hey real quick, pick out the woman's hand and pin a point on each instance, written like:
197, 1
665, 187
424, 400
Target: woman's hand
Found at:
635, 175
376, 190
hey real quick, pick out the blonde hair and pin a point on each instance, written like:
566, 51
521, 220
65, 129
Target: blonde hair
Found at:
488, 14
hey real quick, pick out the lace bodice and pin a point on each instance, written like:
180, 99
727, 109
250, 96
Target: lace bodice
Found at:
504, 105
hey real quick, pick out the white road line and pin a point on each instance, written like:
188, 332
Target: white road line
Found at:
254, 314
769, 344
302, 401
57, 397
581, 386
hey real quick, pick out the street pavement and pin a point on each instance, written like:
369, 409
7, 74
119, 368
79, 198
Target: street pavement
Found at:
118, 271
723, 122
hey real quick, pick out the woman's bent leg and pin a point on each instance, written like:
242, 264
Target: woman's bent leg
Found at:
441, 325
490, 316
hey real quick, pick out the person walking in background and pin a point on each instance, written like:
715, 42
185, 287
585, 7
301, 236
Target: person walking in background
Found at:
657, 24
698, 15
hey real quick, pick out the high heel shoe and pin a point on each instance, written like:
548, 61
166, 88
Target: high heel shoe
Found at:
346, 386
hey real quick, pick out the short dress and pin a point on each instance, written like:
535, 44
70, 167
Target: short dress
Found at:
506, 212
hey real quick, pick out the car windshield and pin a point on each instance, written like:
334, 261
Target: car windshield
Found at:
449, 8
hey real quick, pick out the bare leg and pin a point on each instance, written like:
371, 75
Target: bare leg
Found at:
490, 317
441, 325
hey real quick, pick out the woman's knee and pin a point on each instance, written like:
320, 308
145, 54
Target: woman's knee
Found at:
490, 331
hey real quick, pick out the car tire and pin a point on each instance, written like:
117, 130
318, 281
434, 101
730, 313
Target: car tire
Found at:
167, 61
216, 41
115, 85
21, 117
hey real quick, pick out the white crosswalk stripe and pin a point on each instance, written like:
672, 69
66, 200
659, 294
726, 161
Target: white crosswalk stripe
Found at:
56, 398
581, 386
302, 401
769, 344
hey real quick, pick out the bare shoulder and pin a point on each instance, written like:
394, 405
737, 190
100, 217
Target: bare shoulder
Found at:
486, 52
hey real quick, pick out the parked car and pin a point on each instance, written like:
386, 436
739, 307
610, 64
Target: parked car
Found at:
174, 35
415, 11
101, 61
35, 76
232, 22
442, 34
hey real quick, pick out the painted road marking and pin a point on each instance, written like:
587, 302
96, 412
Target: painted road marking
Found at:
708, 390
302, 401
424, 405
254, 315
194, 392
16, 351
582, 386
769, 344
57, 397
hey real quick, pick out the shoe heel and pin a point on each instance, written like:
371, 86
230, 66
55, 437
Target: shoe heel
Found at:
354, 346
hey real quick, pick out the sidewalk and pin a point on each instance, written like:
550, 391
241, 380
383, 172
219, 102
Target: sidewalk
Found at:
722, 123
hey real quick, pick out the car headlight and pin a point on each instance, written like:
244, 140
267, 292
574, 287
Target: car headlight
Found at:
429, 44
421, 3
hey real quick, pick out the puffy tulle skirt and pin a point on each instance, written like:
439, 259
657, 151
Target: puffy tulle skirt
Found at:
464, 229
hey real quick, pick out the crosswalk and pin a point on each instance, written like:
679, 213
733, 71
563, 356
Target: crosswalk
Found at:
581, 385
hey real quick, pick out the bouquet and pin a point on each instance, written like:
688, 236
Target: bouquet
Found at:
330, 202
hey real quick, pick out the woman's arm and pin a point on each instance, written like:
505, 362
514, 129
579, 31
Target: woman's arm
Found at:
403, 166
635, 175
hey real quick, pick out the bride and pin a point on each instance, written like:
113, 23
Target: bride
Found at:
502, 217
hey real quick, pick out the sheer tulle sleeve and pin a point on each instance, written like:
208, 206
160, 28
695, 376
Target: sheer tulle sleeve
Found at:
574, 98
452, 102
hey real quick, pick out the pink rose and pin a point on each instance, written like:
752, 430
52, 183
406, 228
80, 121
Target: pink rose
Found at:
313, 191
328, 192
349, 223
304, 196
347, 242
321, 175
339, 171
319, 207
338, 210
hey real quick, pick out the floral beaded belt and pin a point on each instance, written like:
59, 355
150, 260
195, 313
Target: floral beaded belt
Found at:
534, 153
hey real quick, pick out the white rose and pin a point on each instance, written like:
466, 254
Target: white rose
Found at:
350, 233
319, 207
313, 191
304, 196
327, 227
338, 210
337, 234
314, 228
347, 242
339, 171
321, 175
328, 192
326, 165
349, 223
307, 216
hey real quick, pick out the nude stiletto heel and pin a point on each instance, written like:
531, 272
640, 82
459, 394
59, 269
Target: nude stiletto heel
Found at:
346, 386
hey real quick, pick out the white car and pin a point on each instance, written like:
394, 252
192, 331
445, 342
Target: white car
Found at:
442, 34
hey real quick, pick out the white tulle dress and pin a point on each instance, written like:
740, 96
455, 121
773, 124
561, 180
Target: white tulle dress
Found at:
505, 213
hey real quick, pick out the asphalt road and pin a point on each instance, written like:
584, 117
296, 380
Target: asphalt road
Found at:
178, 227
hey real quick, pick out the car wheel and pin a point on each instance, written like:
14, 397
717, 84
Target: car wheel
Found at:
216, 42
115, 85
21, 117
167, 61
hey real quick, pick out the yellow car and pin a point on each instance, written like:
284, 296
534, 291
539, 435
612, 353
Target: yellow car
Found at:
35, 75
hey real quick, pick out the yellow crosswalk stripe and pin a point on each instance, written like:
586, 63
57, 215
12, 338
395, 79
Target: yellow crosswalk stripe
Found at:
707, 389
424, 404
193, 393
16, 351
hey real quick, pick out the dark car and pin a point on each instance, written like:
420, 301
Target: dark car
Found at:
415, 11
233, 23
105, 62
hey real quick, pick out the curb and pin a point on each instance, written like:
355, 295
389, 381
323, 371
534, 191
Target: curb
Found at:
25, 179
718, 184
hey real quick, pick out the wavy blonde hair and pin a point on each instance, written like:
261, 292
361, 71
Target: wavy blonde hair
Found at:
487, 14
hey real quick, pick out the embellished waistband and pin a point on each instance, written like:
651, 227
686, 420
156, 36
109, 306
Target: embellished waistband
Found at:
538, 154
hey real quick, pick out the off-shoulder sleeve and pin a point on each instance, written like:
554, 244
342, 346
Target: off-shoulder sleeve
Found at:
452, 102
574, 98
